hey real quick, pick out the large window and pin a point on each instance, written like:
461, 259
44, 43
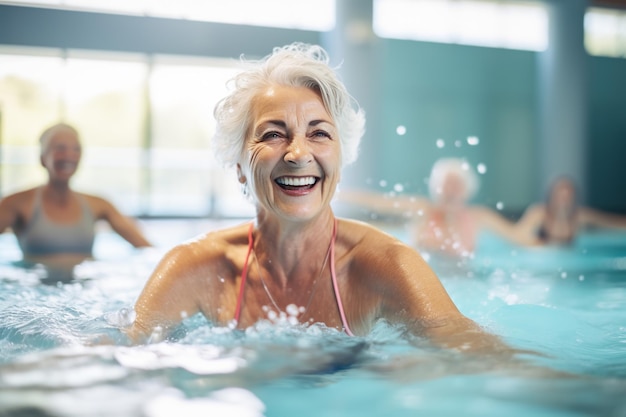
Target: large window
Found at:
103, 97
296, 14
605, 32
30, 97
492, 23
185, 178
145, 124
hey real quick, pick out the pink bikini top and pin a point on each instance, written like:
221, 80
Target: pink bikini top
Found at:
333, 276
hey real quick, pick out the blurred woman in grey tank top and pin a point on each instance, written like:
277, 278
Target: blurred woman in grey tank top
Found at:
52, 221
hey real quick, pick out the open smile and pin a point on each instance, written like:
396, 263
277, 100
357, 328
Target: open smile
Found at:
66, 166
296, 183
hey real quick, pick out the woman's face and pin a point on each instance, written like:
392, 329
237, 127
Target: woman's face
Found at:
292, 158
61, 154
453, 191
563, 195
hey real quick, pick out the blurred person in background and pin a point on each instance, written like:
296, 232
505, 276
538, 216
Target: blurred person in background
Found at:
54, 224
559, 220
444, 224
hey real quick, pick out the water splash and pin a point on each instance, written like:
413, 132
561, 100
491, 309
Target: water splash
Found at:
227, 402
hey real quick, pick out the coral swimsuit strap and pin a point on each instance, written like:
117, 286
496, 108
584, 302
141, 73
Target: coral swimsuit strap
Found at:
333, 275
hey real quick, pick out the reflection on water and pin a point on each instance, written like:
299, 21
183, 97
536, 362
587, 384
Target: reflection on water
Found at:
62, 352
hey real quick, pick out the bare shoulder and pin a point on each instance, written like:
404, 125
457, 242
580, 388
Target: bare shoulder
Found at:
217, 251
20, 197
373, 251
15, 209
101, 207
19, 204
535, 213
536, 209
93, 198
192, 277
393, 279
355, 233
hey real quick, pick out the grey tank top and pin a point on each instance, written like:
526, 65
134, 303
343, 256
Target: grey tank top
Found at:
43, 236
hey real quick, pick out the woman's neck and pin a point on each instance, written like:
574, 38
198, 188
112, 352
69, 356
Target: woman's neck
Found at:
57, 191
290, 244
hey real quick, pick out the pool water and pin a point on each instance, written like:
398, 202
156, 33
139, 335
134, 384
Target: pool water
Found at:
62, 353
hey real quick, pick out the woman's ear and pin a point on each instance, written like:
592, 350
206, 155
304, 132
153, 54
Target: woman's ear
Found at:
242, 178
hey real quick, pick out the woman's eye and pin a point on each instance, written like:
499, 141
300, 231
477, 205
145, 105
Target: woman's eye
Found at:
321, 134
270, 136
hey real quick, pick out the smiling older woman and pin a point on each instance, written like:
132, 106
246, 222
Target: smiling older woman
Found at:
289, 127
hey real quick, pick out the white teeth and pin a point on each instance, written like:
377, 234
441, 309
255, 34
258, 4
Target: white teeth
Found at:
296, 181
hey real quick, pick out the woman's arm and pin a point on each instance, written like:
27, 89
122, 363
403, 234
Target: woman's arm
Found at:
8, 213
412, 295
398, 205
121, 224
592, 217
521, 233
168, 297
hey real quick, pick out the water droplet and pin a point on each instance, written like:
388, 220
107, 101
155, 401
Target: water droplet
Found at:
472, 140
440, 143
292, 310
398, 188
156, 335
581, 278
457, 143
499, 205
382, 183
481, 168
401, 130
563, 275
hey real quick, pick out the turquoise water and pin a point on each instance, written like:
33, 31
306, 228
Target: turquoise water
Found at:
568, 304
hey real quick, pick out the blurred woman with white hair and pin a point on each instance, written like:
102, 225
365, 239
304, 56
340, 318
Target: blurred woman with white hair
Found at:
445, 223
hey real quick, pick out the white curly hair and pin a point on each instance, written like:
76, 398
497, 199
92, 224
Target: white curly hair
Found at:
298, 65
460, 167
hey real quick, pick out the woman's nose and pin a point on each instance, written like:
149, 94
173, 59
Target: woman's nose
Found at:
298, 152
